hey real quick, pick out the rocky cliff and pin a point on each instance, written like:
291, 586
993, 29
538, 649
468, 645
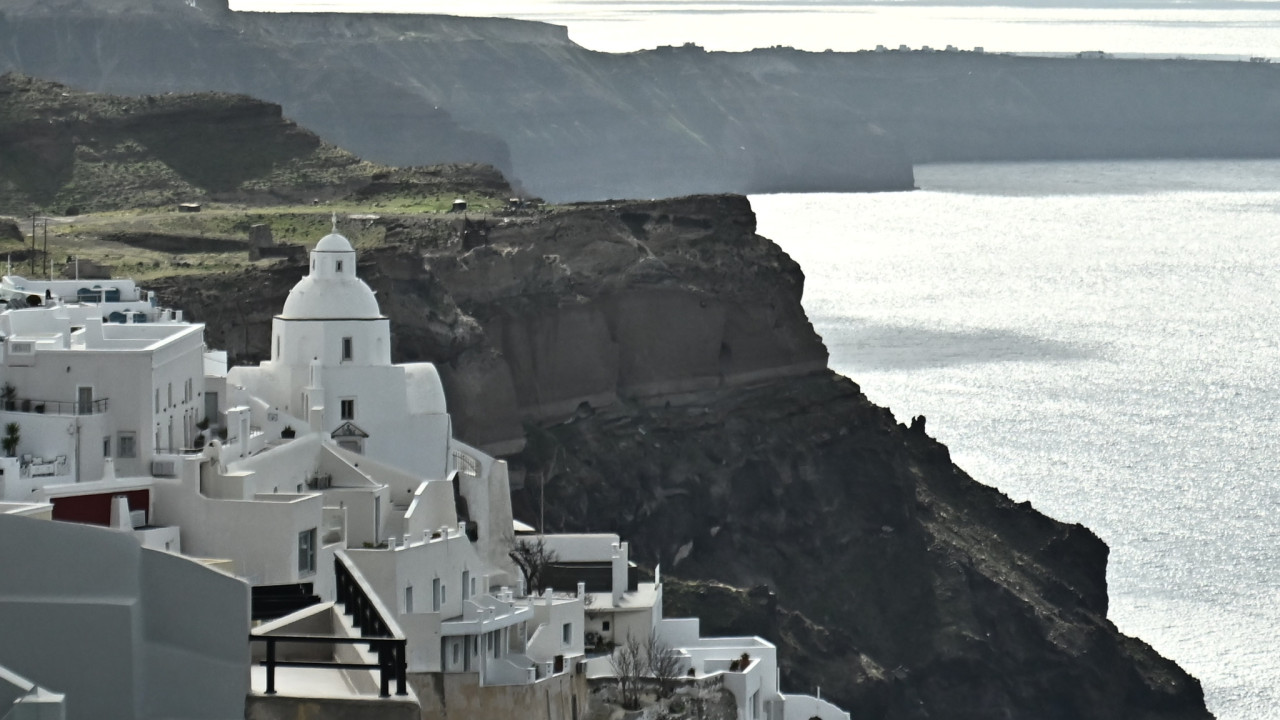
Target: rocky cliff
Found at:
410, 90
569, 123
649, 366
63, 151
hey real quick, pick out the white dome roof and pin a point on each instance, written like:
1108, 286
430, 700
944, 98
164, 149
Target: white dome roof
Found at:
331, 290
316, 298
333, 242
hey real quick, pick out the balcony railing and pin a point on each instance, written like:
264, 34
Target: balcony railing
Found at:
391, 662
367, 614
55, 407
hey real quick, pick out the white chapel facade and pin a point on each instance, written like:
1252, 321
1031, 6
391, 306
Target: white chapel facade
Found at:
331, 369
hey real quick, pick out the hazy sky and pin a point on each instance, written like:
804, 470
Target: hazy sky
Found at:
1168, 27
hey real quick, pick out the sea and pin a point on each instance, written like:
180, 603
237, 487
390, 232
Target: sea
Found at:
1101, 339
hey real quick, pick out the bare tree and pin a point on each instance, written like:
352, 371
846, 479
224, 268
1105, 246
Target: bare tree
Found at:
627, 663
533, 557
662, 662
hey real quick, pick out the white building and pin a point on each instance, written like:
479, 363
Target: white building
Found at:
90, 403
121, 630
325, 468
331, 367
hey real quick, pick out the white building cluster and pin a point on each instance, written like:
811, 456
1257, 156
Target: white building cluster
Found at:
227, 537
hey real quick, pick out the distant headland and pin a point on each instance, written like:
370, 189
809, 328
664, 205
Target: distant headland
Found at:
568, 123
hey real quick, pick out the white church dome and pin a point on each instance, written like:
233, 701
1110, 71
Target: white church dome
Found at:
331, 290
333, 242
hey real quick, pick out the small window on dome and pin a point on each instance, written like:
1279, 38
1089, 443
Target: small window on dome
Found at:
339, 266
347, 348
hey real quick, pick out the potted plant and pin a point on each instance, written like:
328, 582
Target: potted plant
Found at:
287, 433
12, 435
9, 396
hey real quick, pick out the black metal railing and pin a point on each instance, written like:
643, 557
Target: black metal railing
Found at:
391, 659
355, 599
55, 407
358, 601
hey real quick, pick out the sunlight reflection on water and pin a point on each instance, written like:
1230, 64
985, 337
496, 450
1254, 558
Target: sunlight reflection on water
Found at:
1095, 344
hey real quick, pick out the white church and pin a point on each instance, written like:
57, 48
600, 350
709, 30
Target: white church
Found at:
180, 539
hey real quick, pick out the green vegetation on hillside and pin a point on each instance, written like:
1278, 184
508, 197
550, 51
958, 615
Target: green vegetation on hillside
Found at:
65, 152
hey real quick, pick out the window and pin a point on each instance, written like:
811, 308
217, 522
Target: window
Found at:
106, 446
157, 399
127, 445
348, 407
277, 347
566, 634
307, 552
338, 266
473, 586
408, 599
455, 651
347, 347
466, 584
605, 626
170, 394
435, 595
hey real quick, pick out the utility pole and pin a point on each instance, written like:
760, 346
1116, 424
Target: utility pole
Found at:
32, 262
48, 264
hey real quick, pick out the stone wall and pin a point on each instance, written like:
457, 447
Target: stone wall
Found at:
459, 696
278, 707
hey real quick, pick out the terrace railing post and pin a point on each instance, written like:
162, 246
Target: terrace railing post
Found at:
271, 666
384, 674
401, 666
340, 584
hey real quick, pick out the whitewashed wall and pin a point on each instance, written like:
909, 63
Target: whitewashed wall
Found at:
123, 631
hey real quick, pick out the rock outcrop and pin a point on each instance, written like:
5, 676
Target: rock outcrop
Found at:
648, 366
63, 151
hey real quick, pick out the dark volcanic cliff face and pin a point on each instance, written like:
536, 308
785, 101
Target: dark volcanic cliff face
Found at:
672, 390
633, 300
933, 596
